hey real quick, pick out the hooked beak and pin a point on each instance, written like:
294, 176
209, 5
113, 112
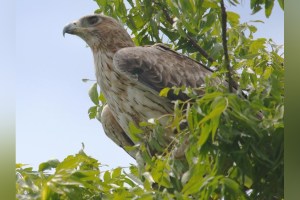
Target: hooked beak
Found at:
70, 28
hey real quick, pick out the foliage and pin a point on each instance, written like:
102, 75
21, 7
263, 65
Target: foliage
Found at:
76, 177
233, 145
98, 100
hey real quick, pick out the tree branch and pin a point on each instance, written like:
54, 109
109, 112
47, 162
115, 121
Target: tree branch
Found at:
224, 42
200, 49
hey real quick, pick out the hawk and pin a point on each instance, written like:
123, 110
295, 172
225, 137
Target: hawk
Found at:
131, 77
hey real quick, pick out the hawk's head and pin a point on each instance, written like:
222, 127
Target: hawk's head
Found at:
100, 33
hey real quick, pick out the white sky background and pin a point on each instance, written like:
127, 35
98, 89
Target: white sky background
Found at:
52, 101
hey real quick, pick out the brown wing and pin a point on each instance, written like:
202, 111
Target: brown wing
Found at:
158, 67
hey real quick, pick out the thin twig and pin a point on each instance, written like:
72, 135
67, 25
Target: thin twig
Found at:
224, 41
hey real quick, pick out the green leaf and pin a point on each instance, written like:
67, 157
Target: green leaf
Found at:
116, 172
159, 173
233, 188
171, 34
209, 21
214, 123
93, 93
102, 98
221, 105
256, 9
188, 6
107, 176
205, 131
269, 4
267, 73
93, 112
164, 92
189, 27
210, 4
257, 45
48, 165
20, 165
233, 18
180, 29
253, 29
134, 132
209, 96
195, 182
138, 21
216, 50
154, 29
281, 4
174, 8
120, 8
253, 3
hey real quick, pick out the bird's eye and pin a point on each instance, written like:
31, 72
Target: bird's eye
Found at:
92, 20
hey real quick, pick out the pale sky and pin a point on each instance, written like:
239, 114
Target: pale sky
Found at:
52, 101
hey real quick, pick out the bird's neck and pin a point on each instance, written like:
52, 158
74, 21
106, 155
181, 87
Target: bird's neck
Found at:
103, 59
107, 76
110, 45
103, 62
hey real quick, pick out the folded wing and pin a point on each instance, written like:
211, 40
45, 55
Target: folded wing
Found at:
157, 67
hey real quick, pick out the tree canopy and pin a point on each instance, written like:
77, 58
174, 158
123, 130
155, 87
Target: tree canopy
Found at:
234, 135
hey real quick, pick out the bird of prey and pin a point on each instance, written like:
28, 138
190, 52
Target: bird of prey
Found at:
131, 77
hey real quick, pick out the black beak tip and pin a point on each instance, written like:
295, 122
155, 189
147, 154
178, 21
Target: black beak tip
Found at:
65, 30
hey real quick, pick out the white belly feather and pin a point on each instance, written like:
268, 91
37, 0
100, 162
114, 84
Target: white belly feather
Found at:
129, 100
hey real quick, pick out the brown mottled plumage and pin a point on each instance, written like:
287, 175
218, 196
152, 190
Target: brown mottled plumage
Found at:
131, 77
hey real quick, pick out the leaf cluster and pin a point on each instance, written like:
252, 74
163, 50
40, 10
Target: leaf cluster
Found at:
232, 144
98, 100
79, 177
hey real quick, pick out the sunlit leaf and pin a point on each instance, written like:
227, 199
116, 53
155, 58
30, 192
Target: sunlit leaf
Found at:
267, 73
102, 98
107, 176
116, 172
233, 18
205, 132
93, 93
257, 45
134, 132
48, 165
220, 106
93, 112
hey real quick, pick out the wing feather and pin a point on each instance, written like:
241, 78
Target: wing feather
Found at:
158, 67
